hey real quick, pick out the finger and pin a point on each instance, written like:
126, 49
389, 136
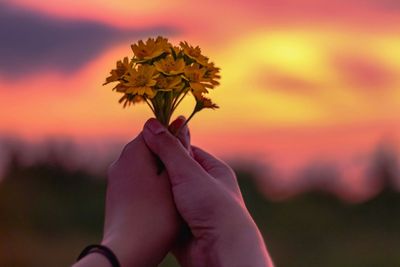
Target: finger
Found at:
210, 163
180, 166
176, 124
215, 167
184, 134
134, 151
134, 147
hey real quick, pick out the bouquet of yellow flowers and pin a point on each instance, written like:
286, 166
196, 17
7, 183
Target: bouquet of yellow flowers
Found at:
161, 75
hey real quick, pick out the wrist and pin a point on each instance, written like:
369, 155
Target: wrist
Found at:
135, 251
240, 244
120, 250
93, 260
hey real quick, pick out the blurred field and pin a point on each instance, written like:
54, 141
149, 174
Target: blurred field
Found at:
49, 213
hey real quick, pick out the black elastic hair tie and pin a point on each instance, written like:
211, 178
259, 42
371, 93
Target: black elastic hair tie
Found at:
105, 251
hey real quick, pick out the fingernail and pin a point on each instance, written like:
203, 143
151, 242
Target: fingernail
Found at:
177, 123
180, 121
155, 126
182, 118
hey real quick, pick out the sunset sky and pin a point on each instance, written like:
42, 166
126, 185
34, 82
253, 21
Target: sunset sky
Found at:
304, 83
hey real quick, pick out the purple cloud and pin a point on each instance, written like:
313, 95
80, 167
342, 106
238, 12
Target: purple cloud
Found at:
31, 42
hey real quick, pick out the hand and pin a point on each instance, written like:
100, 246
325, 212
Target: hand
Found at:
141, 221
208, 198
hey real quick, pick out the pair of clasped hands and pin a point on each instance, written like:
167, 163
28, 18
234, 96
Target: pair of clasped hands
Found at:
194, 208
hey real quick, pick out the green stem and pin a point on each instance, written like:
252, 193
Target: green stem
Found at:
168, 103
156, 108
176, 104
176, 98
150, 106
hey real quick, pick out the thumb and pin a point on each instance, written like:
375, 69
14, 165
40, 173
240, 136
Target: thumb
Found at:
214, 166
181, 167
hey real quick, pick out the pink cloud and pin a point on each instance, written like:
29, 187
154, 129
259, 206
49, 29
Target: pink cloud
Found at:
375, 13
364, 71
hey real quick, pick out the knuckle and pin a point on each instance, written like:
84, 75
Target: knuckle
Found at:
231, 173
228, 170
223, 169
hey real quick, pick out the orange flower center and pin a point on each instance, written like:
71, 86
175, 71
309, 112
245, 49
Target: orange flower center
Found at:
120, 72
163, 83
141, 80
194, 76
168, 66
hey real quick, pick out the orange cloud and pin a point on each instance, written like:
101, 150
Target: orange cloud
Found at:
286, 83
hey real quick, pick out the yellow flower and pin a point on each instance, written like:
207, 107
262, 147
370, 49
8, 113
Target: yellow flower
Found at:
170, 66
169, 83
194, 74
194, 53
128, 99
151, 49
203, 102
161, 75
122, 68
176, 50
212, 74
141, 81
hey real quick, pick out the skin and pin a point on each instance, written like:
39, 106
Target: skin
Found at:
141, 221
194, 206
